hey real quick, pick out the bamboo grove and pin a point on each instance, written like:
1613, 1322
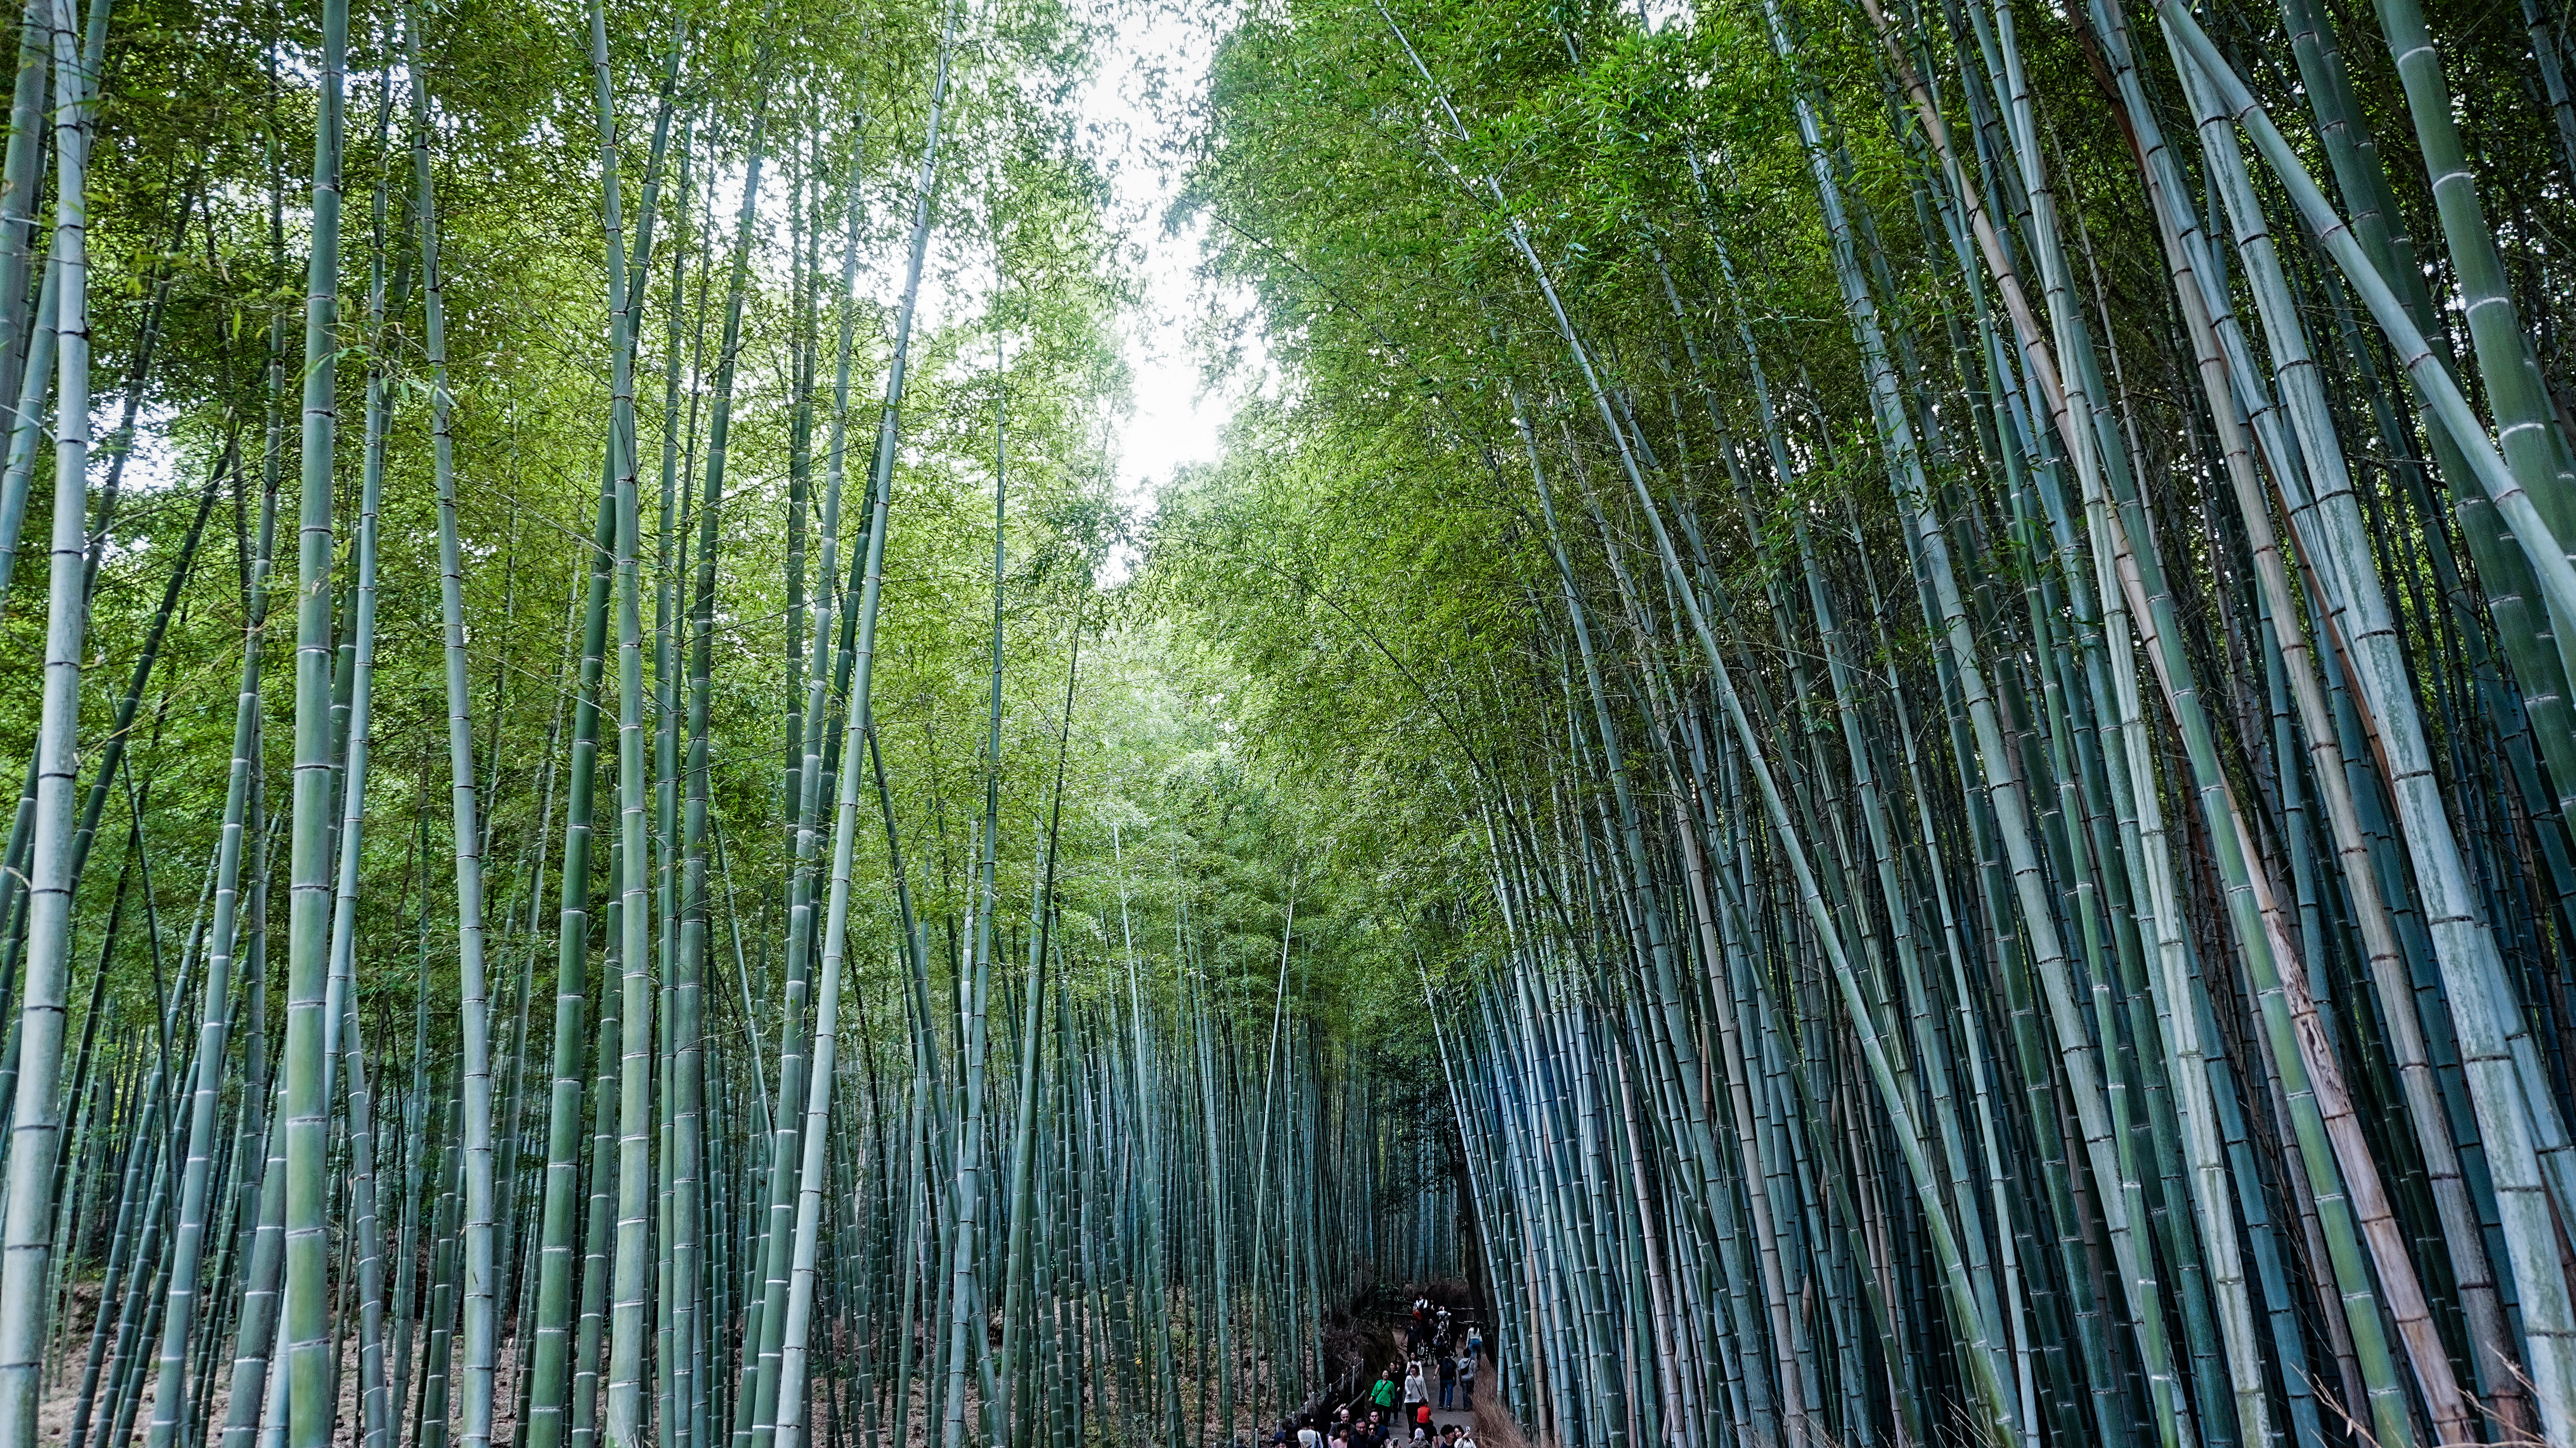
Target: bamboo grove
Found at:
1870, 717
597, 863
1963, 609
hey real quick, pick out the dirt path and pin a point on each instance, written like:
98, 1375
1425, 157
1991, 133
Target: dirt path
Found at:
1489, 1420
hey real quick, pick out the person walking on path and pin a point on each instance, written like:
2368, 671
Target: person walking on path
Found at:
1382, 1396
1414, 1394
1467, 1376
1448, 1381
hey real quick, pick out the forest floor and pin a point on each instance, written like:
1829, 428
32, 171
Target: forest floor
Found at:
1358, 1344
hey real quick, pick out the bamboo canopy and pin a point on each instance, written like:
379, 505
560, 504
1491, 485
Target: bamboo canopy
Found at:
1862, 732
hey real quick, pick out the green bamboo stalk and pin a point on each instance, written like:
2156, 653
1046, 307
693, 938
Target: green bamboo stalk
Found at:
187, 1252
2505, 1110
25, 1246
794, 1365
550, 1354
964, 1269
21, 180
477, 1169
305, 1309
626, 1425
593, 1324
1024, 1146
758, 1368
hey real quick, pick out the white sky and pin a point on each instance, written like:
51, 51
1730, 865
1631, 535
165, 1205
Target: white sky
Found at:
1138, 104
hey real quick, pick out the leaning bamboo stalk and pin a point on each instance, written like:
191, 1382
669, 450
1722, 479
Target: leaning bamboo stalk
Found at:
2267, 953
2331, 529
1986, 1373
2505, 1110
2529, 436
2396, 1271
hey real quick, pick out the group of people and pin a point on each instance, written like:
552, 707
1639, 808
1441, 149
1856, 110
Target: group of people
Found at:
1399, 1404
1452, 1355
1380, 1429
1452, 1373
1430, 1326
